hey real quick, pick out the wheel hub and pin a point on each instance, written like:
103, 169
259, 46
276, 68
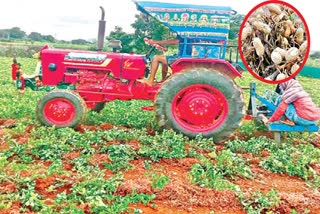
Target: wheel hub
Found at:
59, 111
200, 107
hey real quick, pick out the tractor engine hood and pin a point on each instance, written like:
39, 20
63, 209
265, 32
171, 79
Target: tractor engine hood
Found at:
57, 62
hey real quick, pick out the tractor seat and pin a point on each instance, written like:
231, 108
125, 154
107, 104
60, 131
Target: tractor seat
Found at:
115, 45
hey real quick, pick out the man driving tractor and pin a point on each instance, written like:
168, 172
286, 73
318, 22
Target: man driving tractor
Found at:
157, 59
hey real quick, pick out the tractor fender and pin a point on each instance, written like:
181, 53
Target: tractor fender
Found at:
219, 65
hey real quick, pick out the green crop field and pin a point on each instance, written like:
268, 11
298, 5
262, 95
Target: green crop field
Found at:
119, 161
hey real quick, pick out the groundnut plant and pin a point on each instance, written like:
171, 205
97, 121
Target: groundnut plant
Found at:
274, 41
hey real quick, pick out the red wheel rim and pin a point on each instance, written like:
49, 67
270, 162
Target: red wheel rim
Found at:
59, 111
200, 108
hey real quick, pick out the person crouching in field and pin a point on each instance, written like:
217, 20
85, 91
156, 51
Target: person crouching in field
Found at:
295, 104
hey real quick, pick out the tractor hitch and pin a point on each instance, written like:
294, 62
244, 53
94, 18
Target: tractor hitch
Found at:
33, 81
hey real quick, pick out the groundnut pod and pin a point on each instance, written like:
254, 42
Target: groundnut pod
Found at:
287, 31
303, 48
292, 54
281, 51
281, 16
262, 27
294, 68
299, 35
281, 76
297, 23
246, 32
290, 11
284, 42
258, 46
288, 28
290, 24
259, 11
274, 8
276, 57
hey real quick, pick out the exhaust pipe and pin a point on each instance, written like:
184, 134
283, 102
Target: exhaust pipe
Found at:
101, 31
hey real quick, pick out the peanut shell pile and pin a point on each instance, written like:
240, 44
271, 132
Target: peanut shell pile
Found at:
274, 41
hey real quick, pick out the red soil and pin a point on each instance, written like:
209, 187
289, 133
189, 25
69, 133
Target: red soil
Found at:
44, 185
179, 195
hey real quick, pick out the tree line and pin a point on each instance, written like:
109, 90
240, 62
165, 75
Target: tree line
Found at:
16, 33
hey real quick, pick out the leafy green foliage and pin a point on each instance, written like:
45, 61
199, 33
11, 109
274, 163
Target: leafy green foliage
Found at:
28, 196
259, 202
253, 145
16, 33
120, 155
148, 27
261, 87
230, 164
158, 180
122, 134
3, 161
49, 150
116, 112
166, 145
207, 175
235, 23
144, 27
95, 189
121, 204
203, 143
250, 128
126, 39
292, 160
227, 164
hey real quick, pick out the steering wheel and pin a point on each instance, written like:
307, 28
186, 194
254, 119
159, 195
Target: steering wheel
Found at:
155, 45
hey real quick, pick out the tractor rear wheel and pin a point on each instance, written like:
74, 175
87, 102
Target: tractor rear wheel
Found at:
201, 102
61, 108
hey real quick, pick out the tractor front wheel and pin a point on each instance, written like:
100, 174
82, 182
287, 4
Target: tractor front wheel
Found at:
61, 108
201, 102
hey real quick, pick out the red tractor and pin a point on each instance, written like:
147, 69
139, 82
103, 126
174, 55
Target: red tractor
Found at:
200, 97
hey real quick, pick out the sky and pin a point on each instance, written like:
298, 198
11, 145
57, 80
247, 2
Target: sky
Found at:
73, 19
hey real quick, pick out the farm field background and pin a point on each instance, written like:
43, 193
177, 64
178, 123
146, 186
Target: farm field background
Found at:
119, 161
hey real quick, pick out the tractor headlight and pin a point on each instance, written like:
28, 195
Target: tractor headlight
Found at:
52, 67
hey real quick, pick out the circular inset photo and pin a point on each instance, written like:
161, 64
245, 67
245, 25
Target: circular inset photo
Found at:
274, 41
